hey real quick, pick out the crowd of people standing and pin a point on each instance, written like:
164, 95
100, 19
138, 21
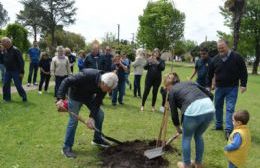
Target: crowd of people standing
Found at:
104, 72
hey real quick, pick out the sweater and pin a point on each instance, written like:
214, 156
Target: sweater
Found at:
154, 70
60, 66
138, 65
84, 87
95, 62
238, 156
228, 72
181, 96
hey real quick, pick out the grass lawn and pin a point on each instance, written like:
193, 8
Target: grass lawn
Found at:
31, 134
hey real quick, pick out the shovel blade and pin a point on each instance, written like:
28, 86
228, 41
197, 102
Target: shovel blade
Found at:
154, 153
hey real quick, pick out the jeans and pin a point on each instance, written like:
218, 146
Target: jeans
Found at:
120, 89
58, 80
74, 106
33, 69
230, 94
2, 69
231, 165
127, 79
9, 75
194, 126
137, 85
45, 78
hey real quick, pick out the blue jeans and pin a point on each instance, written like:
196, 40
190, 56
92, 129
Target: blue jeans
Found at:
137, 85
230, 94
127, 79
9, 75
194, 126
33, 69
230, 165
2, 69
120, 89
58, 80
74, 106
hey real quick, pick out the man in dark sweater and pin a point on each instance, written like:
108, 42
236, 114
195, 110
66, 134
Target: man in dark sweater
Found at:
229, 68
14, 65
87, 87
108, 59
94, 59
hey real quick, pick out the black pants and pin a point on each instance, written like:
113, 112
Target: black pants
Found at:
164, 94
58, 80
155, 83
44, 79
33, 69
137, 85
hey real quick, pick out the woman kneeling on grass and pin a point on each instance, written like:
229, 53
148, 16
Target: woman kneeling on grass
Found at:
197, 112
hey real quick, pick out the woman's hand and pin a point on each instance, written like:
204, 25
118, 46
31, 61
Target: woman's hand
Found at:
179, 130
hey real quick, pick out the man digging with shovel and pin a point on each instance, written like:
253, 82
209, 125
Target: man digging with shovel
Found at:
88, 87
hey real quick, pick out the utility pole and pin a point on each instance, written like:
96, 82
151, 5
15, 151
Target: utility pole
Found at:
118, 33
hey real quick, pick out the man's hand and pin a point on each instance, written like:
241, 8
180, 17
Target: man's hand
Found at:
179, 130
242, 89
60, 106
90, 123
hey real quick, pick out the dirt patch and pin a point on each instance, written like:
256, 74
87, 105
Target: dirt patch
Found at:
131, 155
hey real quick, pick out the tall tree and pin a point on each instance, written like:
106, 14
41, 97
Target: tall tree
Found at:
161, 25
58, 12
3, 15
19, 36
31, 15
250, 28
236, 7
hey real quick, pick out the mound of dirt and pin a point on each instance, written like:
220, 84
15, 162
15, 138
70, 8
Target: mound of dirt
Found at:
131, 155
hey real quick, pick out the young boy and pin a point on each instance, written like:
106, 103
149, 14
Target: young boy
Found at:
239, 142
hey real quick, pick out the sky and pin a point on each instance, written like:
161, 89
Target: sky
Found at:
96, 17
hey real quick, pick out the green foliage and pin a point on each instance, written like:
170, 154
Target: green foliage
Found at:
161, 25
249, 30
65, 38
184, 46
31, 16
19, 36
210, 45
3, 15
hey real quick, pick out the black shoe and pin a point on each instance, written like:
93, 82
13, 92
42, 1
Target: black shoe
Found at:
130, 86
227, 135
218, 129
121, 103
24, 99
100, 143
67, 152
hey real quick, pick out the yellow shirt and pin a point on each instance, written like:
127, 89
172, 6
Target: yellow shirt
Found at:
238, 157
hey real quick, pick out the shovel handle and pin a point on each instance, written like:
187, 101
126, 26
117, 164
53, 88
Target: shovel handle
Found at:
172, 139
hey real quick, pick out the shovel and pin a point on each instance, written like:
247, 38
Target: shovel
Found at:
159, 151
103, 135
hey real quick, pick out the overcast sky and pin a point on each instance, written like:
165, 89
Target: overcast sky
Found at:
96, 17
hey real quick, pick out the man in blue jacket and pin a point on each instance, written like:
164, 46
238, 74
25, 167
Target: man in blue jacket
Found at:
88, 87
34, 55
14, 64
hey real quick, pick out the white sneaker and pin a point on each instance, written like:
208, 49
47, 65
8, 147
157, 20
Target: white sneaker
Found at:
40, 92
35, 84
28, 84
161, 109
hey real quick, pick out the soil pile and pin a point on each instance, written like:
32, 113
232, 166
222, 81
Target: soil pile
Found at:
131, 155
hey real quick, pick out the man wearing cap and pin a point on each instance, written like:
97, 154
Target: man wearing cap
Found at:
88, 87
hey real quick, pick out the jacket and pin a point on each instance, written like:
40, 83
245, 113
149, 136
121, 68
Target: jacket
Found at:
138, 65
95, 62
13, 60
154, 71
83, 87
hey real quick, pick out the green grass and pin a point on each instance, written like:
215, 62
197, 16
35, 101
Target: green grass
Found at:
31, 134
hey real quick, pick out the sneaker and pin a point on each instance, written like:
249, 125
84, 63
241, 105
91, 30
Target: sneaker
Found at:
161, 109
35, 84
142, 108
68, 153
218, 129
40, 92
227, 135
121, 103
100, 143
153, 109
28, 84
130, 86
114, 104
24, 99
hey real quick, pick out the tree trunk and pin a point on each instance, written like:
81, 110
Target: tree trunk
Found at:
53, 44
237, 21
257, 55
35, 33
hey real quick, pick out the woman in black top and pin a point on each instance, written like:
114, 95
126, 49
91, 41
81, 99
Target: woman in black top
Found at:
44, 64
154, 66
